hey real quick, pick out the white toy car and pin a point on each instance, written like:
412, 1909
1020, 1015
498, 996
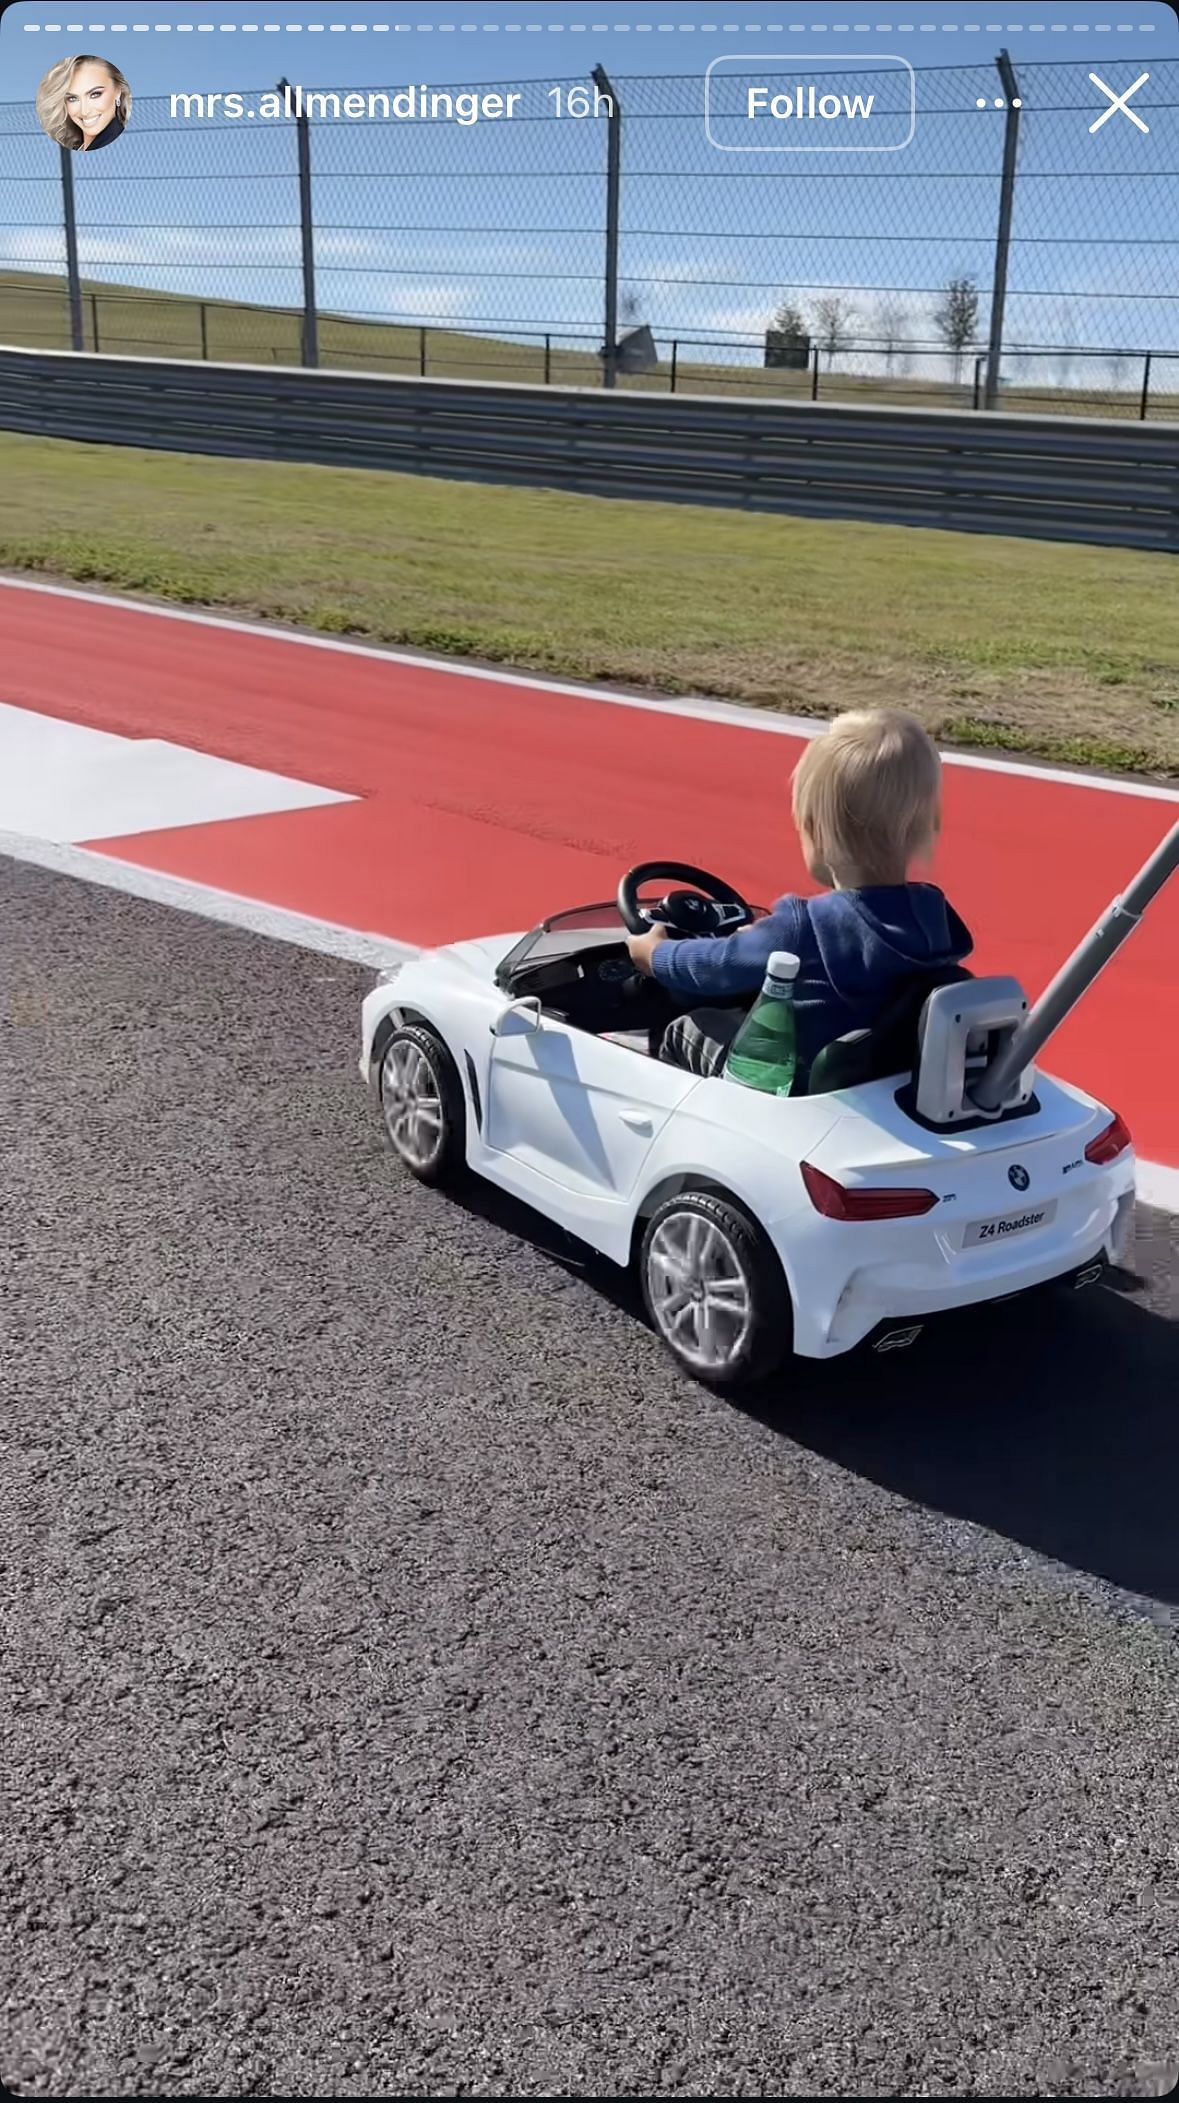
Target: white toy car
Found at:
929, 1166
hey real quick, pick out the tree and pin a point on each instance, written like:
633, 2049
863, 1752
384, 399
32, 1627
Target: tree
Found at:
890, 323
833, 321
789, 321
1066, 360
1122, 370
787, 341
956, 320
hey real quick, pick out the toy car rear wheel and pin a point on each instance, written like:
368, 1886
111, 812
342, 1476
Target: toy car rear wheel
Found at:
715, 1291
422, 1105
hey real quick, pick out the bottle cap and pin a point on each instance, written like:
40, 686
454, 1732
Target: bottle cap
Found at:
782, 965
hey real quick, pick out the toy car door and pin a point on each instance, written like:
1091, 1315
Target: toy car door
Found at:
576, 1109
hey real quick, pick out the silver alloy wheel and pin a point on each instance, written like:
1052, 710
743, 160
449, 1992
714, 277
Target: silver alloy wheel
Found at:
411, 1104
699, 1291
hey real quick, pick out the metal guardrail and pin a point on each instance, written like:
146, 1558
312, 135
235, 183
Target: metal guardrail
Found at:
1112, 483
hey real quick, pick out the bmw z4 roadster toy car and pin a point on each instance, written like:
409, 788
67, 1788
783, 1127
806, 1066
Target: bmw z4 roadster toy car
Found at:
929, 1166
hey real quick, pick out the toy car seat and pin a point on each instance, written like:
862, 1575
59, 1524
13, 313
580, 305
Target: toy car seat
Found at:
890, 1045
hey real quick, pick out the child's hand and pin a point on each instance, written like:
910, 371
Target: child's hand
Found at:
643, 947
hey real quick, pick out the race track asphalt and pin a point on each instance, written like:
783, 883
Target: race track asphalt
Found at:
413, 1685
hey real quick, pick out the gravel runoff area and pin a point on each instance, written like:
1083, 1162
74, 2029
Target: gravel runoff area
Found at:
413, 1685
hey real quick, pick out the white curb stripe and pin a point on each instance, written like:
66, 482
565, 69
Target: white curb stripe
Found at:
275, 922
61, 780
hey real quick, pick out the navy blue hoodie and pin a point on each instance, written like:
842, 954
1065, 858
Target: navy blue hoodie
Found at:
855, 948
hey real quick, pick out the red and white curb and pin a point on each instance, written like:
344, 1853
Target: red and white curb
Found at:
695, 708
64, 783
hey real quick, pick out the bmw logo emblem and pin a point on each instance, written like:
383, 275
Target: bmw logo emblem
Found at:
1018, 1176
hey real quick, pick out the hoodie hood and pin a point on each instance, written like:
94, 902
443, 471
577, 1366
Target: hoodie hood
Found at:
867, 939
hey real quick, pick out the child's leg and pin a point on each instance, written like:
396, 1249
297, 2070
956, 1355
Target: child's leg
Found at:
701, 1041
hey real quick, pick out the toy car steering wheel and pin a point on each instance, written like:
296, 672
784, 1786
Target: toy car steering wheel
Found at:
721, 911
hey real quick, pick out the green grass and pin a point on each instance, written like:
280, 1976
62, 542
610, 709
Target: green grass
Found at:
1068, 653
133, 322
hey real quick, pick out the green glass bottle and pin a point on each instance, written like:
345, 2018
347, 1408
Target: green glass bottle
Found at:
764, 1052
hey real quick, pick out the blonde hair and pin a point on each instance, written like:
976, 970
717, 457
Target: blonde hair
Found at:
868, 795
52, 114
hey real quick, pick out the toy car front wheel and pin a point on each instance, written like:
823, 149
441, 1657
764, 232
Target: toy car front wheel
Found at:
422, 1104
714, 1290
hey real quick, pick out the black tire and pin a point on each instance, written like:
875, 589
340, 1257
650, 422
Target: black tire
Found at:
415, 1064
765, 1332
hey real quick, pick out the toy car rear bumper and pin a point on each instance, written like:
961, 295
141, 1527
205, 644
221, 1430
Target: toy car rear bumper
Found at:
875, 1296
896, 1333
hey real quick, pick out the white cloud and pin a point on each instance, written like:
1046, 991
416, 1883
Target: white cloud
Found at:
388, 299
32, 245
269, 247
439, 300
736, 321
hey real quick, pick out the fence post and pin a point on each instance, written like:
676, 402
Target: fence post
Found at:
1010, 87
548, 359
94, 317
303, 140
204, 332
675, 361
815, 374
1145, 389
73, 281
613, 189
978, 366
422, 353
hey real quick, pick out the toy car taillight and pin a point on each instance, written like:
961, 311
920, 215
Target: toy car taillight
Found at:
1108, 1144
834, 1202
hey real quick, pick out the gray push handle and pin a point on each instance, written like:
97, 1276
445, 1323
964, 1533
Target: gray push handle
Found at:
1074, 978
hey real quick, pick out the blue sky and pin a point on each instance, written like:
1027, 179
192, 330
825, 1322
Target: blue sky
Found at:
499, 228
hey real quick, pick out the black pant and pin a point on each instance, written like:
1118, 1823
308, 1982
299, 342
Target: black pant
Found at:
700, 1041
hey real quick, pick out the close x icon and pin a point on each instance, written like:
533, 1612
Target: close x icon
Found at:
1118, 101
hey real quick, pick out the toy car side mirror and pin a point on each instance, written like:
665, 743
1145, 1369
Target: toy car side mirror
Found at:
519, 1019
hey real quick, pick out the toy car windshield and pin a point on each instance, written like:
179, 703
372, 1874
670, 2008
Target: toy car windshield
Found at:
563, 935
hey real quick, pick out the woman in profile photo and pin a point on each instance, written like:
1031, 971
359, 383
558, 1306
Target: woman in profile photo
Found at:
84, 103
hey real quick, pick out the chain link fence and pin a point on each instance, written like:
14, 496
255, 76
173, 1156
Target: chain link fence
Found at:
426, 245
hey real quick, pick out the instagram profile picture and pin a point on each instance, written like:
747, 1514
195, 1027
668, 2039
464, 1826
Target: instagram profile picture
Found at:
84, 103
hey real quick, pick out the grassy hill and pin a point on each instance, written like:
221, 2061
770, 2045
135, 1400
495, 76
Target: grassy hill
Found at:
126, 320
